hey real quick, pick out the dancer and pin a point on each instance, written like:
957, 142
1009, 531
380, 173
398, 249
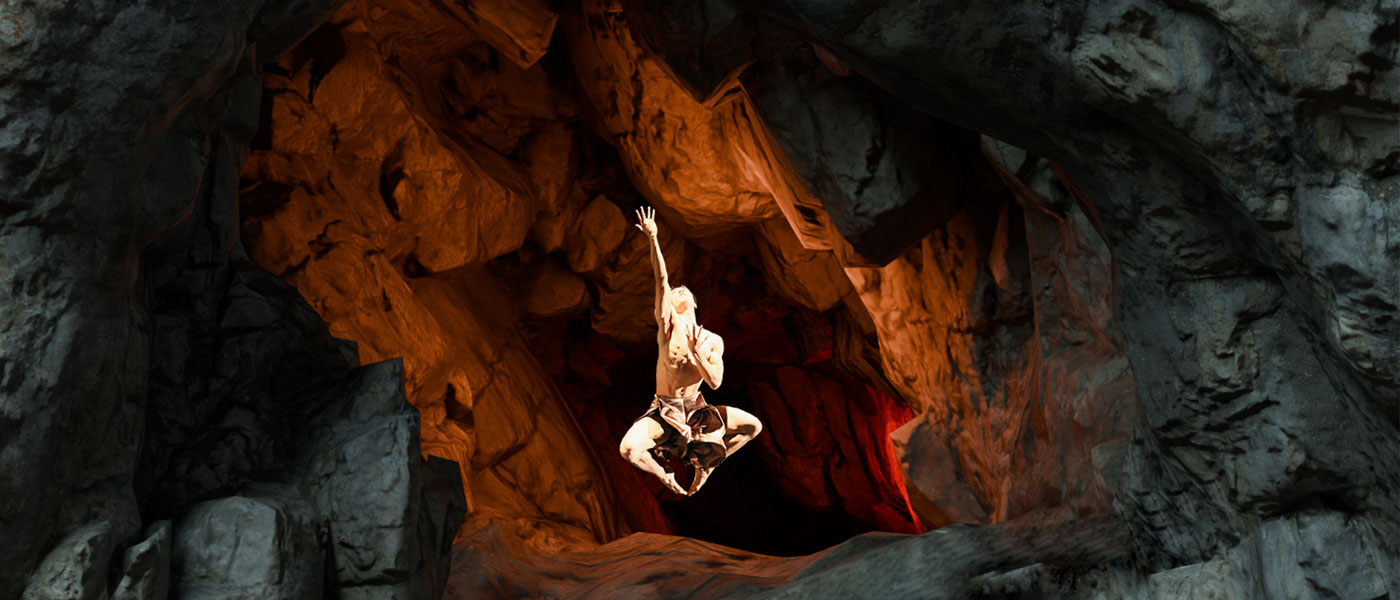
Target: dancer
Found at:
680, 424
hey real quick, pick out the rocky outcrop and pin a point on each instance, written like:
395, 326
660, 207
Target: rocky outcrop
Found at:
153, 374
1189, 160
1101, 293
357, 510
241, 547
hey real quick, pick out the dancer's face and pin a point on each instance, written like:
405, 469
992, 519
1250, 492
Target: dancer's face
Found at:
682, 301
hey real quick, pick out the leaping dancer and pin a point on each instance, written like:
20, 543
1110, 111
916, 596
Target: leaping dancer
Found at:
680, 424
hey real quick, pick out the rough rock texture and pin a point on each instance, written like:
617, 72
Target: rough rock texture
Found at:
1067, 307
484, 390
151, 371
145, 567
1237, 164
1138, 338
243, 547
939, 564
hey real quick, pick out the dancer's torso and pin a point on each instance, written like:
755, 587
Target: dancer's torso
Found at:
675, 376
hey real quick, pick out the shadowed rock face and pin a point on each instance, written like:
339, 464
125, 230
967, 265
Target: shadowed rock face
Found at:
1101, 295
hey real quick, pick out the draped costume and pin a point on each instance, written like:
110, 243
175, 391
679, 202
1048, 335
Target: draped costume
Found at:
694, 429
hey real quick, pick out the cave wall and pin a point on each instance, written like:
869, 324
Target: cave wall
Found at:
90, 180
444, 226
171, 408
1140, 334
1237, 164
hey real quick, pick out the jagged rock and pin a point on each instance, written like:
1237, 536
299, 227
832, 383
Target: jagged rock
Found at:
366, 478
675, 148
704, 45
626, 289
1169, 294
595, 235
93, 177
828, 457
809, 278
418, 194
554, 224
520, 422
442, 508
248, 546
489, 112
518, 29
885, 173
146, 566
550, 290
867, 566
76, 568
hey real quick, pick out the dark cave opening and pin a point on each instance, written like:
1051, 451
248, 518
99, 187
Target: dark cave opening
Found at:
745, 504
538, 190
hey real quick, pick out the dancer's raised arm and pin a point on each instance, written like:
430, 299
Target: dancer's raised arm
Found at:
646, 218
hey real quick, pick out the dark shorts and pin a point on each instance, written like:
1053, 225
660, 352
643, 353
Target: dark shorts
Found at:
694, 430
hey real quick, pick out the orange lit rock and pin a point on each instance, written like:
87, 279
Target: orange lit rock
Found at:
554, 223
810, 278
551, 290
982, 325
485, 109
374, 197
595, 235
393, 179
674, 147
519, 29
626, 290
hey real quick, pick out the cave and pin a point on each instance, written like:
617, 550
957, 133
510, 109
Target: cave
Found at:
345, 298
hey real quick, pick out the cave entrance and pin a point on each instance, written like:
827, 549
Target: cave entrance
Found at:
436, 198
821, 472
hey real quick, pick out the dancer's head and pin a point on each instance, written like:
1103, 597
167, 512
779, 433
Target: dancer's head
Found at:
682, 301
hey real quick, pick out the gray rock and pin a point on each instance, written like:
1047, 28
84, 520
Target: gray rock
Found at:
366, 479
105, 129
390, 515
76, 568
886, 174
248, 547
442, 510
146, 566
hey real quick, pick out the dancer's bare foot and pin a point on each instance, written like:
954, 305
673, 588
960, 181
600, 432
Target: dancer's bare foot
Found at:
670, 480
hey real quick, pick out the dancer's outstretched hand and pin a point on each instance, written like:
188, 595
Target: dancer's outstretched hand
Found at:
646, 217
670, 480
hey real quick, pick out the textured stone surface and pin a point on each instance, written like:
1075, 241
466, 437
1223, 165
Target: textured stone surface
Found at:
884, 173
868, 566
1203, 176
388, 513
357, 505
812, 279
1148, 330
355, 240
110, 123
364, 480
177, 370
146, 566
242, 546
75, 567
672, 145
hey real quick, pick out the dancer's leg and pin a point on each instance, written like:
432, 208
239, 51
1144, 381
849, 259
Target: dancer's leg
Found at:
636, 447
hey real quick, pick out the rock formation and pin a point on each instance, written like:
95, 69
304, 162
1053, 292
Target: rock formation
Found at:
1035, 300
